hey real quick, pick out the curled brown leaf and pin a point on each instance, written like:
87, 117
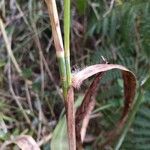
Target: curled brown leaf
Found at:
89, 71
84, 111
128, 77
129, 90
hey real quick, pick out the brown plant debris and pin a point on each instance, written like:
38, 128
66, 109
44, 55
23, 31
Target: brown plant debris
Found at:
98, 70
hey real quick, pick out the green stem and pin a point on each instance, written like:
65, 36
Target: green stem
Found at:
70, 111
62, 70
67, 39
130, 119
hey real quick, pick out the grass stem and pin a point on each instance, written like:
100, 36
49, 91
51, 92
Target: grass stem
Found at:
67, 39
53, 14
64, 64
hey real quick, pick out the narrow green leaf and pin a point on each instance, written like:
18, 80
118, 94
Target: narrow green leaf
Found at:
81, 6
59, 140
2, 63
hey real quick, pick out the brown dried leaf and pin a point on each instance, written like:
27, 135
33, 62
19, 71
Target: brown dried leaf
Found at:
89, 71
128, 77
26, 142
84, 111
129, 91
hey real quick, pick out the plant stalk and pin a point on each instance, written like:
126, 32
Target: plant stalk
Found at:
64, 64
67, 39
70, 111
53, 14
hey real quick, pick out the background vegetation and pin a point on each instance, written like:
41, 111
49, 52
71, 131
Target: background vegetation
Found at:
120, 34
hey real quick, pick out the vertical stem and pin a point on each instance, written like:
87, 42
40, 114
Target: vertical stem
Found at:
70, 115
64, 64
52, 10
67, 39
70, 111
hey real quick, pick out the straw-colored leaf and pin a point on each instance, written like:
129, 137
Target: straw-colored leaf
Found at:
26, 142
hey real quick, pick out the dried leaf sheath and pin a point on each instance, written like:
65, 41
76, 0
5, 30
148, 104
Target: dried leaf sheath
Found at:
70, 114
53, 14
